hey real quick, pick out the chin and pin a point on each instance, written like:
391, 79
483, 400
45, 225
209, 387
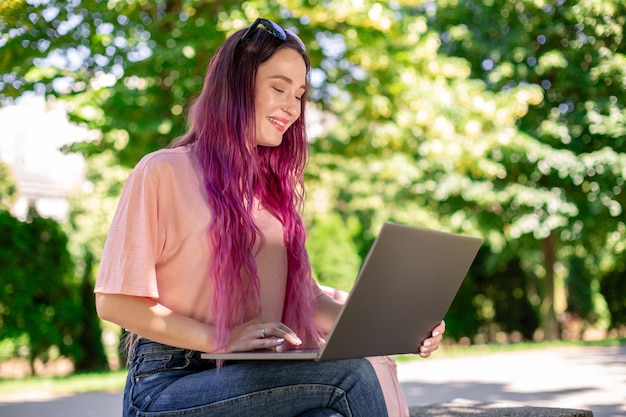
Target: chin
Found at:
270, 143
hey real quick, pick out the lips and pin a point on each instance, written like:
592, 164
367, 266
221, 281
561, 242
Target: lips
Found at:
279, 123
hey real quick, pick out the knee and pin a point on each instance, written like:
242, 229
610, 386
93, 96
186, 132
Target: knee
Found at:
365, 370
362, 373
366, 390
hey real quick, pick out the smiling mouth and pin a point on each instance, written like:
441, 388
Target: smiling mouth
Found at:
280, 124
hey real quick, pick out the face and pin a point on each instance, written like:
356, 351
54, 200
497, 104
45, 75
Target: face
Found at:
280, 85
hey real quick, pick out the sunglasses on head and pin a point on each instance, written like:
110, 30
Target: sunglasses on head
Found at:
273, 28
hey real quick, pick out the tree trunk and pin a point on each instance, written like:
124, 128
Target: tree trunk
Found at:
549, 323
31, 364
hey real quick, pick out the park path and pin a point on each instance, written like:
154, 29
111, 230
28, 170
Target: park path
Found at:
592, 378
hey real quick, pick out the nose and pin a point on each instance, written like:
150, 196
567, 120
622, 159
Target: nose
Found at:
293, 109
287, 109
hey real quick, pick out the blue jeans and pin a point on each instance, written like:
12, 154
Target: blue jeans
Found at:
165, 381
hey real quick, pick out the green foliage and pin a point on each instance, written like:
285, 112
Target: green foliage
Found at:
575, 53
492, 301
8, 187
613, 287
580, 300
93, 205
89, 334
115, 63
38, 299
332, 251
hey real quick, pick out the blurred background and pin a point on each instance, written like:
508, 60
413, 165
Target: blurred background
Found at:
500, 119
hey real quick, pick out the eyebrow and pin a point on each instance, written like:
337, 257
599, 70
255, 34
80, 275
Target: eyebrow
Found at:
286, 79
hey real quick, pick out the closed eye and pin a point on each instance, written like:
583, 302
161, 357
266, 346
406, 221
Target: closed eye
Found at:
278, 90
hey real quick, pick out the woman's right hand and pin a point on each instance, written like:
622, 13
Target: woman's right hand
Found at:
256, 334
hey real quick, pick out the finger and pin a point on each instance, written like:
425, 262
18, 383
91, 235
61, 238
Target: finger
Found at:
267, 343
263, 337
436, 335
439, 329
431, 344
432, 341
282, 331
428, 346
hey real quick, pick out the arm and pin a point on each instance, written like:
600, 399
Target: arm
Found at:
156, 322
326, 313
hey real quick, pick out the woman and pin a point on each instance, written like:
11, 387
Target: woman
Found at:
206, 252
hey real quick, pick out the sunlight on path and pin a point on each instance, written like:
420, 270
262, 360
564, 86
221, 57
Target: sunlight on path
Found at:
590, 378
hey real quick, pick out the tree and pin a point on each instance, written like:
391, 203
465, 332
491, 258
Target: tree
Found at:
576, 54
113, 65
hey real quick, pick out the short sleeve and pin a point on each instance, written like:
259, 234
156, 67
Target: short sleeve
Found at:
129, 257
317, 288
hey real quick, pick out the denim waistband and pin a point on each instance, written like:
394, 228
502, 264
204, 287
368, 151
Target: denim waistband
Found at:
145, 346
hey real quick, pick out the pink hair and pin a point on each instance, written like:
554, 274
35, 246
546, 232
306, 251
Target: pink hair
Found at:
222, 130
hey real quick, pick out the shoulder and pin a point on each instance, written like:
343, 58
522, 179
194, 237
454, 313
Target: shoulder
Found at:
163, 162
164, 158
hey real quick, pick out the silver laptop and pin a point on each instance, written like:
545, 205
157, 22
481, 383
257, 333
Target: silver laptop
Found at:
404, 289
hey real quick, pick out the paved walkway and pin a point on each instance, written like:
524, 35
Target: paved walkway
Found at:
592, 378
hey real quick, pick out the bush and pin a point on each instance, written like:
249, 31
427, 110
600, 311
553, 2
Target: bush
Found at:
39, 304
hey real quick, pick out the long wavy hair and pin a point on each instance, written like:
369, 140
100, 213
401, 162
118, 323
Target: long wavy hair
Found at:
221, 127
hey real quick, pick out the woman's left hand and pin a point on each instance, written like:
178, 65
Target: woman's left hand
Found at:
431, 344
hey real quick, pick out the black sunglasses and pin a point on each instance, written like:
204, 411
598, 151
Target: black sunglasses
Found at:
272, 28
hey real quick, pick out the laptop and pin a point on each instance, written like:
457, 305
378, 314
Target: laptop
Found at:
403, 290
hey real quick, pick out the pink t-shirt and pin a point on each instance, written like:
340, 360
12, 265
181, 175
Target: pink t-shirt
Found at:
157, 245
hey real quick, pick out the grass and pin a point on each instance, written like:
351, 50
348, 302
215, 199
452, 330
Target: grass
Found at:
114, 381
494, 347
71, 384
484, 349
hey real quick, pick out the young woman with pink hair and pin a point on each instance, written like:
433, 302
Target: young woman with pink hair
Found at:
206, 252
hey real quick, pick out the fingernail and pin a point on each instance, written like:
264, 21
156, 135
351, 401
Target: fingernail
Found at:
280, 341
298, 341
435, 334
426, 343
424, 349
